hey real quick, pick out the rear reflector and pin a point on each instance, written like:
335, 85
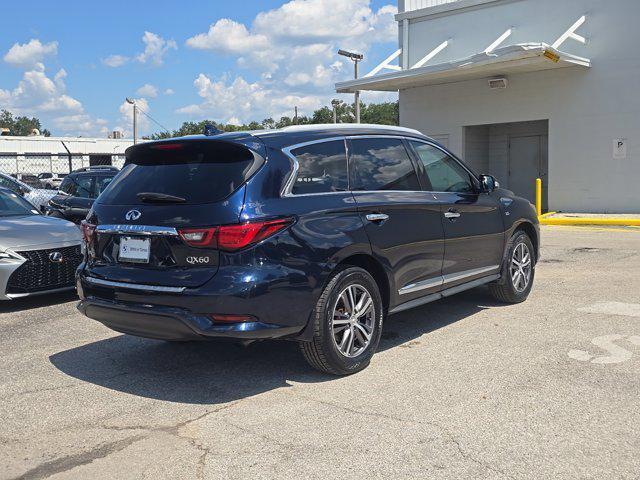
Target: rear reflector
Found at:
233, 237
199, 237
224, 318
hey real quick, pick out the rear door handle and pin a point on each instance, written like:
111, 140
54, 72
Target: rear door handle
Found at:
377, 217
451, 214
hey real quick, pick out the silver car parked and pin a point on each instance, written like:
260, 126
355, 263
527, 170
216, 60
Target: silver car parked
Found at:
38, 254
38, 196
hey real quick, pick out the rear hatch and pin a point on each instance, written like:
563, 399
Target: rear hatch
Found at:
165, 191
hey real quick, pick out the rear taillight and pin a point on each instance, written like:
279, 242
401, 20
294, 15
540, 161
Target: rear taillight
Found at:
88, 230
233, 237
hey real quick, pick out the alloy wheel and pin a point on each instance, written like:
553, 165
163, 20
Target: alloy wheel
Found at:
520, 268
353, 320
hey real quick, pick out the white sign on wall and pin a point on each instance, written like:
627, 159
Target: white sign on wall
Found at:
619, 148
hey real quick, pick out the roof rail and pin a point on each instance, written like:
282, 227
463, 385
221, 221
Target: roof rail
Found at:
338, 126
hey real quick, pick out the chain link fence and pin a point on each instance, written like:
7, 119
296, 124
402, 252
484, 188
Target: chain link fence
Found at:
38, 177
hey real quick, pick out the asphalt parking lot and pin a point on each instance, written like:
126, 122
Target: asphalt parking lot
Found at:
461, 388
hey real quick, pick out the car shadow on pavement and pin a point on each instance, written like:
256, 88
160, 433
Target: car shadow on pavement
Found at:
219, 372
28, 303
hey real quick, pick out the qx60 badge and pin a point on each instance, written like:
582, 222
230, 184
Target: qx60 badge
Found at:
132, 215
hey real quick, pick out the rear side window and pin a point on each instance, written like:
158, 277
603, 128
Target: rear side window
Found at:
322, 167
199, 172
382, 164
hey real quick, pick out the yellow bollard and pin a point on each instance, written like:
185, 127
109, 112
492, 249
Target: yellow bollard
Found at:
538, 196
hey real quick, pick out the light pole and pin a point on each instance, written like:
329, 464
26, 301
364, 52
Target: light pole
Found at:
135, 123
355, 57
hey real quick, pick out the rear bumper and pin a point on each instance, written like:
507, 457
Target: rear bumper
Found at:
280, 305
166, 323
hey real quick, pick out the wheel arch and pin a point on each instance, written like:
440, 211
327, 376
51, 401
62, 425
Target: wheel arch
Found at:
375, 269
531, 231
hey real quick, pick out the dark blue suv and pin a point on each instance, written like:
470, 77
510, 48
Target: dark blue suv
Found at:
310, 233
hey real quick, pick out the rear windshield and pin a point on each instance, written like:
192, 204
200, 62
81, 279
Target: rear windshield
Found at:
198, 172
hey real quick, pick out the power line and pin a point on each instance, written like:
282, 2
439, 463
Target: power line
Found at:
153, 120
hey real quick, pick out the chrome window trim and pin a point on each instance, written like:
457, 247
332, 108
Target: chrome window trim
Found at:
147, 230
444, 279
288, 186
135, 286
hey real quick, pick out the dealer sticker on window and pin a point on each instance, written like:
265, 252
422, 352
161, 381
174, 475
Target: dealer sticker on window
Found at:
134, 250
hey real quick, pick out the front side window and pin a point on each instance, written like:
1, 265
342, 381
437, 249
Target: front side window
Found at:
443, 172
382, 164
322, 167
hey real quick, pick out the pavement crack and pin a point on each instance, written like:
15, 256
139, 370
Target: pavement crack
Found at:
447, 433
70, 462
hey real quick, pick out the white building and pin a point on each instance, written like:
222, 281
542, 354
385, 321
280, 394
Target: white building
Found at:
565, 105
39, 154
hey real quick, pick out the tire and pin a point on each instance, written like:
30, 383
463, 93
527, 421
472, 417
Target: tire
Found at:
509, 289
323, 352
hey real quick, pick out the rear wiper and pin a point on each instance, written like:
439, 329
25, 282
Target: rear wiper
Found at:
159, 197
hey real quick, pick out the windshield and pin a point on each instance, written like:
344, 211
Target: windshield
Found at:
193, 172
12, 205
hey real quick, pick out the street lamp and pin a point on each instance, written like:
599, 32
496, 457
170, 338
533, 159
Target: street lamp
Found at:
355, 58
135, 115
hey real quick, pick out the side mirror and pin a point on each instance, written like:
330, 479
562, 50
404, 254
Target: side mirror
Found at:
488, 183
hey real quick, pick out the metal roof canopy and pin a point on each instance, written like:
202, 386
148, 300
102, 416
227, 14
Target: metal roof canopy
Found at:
520, 58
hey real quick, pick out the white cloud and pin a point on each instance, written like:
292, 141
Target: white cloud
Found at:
319, 20
30, 54
81, 124
147, 90
243, 102
155, 49
36, 92
115, 61
169, 91
293, 50
227, 36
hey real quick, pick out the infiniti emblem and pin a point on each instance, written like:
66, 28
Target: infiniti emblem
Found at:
133, 215
56, 257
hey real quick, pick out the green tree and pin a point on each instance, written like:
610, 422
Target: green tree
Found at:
376, 113
21, 126
386, 113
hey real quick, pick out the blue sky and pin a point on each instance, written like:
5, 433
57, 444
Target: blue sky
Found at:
72, 64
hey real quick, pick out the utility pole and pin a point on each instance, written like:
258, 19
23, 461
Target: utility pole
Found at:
295, 116
334, 104
135, 119
355, 58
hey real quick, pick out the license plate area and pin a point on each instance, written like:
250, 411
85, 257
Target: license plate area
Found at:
134, 250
